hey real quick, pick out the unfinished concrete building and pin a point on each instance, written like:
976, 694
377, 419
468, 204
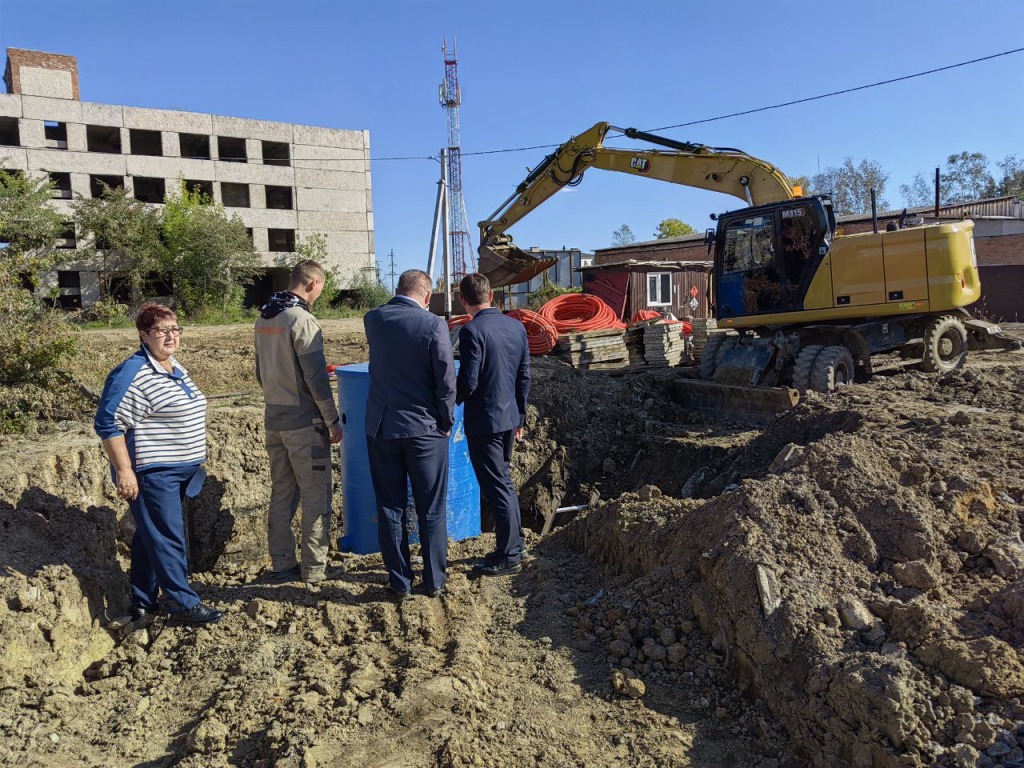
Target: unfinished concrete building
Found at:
286, 182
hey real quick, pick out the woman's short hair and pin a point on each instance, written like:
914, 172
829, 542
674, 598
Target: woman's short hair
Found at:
151, 313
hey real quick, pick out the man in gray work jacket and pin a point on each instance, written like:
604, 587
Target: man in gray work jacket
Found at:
301, 423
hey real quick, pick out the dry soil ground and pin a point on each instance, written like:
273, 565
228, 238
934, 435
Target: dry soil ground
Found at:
843, 588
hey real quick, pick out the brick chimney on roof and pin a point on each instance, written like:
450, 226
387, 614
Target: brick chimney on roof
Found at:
35, 73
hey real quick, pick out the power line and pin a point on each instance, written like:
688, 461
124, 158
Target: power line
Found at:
760, 109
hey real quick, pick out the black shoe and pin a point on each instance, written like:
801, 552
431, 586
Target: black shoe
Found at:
197, 615
496, 568
399, 595
283, 577
143, 612
434, 593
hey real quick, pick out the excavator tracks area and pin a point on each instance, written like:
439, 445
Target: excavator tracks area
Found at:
841, 586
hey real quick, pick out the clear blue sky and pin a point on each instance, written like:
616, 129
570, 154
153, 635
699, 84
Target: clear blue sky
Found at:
538, 72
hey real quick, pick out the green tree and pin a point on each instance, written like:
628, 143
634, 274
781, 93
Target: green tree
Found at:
965, 177
537, 299
366, 291
122, 236
35, 339
314, 247
623, 236
673, 228
850, 185
209, 255
1012, 182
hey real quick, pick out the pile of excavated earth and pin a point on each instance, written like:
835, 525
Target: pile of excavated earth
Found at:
843, 587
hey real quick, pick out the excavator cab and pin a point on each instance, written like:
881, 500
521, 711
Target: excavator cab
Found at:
766, 256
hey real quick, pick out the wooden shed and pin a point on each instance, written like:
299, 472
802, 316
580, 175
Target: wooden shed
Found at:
679, 287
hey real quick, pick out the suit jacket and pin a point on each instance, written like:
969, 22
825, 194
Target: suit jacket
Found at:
412, 371
494, 373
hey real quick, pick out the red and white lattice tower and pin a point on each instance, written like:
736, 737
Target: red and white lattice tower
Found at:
451, 98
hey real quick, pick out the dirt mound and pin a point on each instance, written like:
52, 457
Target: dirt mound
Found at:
868, 588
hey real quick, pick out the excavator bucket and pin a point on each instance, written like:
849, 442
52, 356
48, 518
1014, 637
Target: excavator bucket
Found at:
505, 264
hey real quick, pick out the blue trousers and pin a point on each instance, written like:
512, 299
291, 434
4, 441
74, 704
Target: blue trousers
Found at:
158, 548
394, 465
491, 456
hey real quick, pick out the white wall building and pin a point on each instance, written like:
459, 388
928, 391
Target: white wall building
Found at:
286, 182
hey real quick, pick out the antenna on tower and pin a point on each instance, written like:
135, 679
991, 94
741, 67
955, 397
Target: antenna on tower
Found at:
451, 99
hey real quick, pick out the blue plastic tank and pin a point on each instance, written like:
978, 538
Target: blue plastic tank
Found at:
358, 502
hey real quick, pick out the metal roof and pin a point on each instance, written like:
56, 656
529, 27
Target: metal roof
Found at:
700, 266
1007, 207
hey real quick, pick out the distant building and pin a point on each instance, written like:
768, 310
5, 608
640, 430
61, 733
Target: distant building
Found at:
284, 181
998, 239
566, 273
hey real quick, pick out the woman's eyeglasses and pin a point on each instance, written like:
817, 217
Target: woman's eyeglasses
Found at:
168, 332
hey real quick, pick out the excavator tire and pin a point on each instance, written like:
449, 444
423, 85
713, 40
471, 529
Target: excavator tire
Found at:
832, 368
717, 345
945, 344
803, 367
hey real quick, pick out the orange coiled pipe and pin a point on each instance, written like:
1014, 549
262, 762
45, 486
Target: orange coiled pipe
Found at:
540, 333
458, 320
643, 315
574, 312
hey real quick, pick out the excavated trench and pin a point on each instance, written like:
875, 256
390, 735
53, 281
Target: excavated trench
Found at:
842, 588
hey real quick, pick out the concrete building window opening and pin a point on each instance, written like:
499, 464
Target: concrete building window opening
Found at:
102, 138
194, 146
145, 142
231, 150
68, 240
234, 195
659, 289
10, 136
200, 187
149, 189
61, 185
69, 289
69, 280
281, 240
276, 153
56, 134
279, 198
248, 232
100, 184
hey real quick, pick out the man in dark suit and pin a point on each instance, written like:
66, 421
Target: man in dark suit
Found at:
409, 415
494, 382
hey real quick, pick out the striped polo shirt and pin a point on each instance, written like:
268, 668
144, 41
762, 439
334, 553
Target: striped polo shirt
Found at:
161, 415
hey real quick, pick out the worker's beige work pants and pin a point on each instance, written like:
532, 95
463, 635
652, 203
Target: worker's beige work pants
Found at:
300, 468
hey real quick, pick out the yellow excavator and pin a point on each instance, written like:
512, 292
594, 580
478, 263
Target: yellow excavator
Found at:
803, 305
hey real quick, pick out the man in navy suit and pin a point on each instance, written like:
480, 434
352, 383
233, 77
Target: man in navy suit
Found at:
409, 415
494, 382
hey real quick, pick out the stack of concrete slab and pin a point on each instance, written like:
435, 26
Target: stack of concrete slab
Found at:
703, 327
594, 350
664, 345
634, 340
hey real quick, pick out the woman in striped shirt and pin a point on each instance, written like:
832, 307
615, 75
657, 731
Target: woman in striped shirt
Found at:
152, 420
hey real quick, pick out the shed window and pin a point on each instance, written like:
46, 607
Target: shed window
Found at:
146, 142
659, 289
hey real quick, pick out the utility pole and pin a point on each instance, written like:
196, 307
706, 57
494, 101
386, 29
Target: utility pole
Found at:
391, 257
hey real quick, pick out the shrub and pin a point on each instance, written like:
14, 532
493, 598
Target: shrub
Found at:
365, 291
546, 293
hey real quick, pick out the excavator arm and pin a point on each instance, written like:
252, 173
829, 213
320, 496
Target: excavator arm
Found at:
694, 165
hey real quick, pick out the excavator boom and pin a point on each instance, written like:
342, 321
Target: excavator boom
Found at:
714, 168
